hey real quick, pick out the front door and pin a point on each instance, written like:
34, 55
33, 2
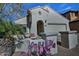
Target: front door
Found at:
40, 27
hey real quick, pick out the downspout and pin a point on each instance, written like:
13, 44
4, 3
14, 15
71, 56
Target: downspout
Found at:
29, 21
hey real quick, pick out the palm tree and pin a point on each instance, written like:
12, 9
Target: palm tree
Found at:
9, 29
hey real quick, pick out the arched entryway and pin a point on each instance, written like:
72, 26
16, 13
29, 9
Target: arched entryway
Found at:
40, 27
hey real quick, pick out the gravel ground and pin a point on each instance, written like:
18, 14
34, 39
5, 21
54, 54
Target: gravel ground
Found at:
61, 52
67, 52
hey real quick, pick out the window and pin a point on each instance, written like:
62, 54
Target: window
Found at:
45, 21
39, 12
76, 14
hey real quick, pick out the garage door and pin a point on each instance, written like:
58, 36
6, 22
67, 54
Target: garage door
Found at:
55, 27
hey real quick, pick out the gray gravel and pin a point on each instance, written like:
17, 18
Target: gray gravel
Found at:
62, 52
67, 52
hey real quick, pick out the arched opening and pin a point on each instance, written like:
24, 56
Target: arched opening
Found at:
40, 27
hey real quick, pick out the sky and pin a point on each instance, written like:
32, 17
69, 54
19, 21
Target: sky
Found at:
58, 7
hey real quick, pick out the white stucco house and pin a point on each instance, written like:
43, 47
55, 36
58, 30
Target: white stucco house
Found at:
44, 19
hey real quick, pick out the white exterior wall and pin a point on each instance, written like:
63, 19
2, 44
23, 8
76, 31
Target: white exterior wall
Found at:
21, 21
73, 42
36, 17
51, 17
56, 18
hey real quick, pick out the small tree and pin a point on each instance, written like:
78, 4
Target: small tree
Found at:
9, 29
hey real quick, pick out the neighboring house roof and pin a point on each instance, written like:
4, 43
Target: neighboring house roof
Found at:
71, 11
74, 21
21, 21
